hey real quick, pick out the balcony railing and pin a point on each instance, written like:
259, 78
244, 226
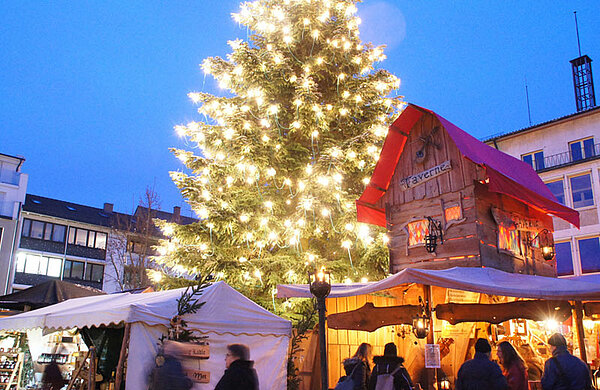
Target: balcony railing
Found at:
566, 158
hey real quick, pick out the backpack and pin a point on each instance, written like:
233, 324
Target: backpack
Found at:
346, 382
386, 381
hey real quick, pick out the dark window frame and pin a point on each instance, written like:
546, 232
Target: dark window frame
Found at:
69, 274
48, 230
74, 231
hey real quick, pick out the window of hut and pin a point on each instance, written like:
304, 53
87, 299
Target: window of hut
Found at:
508, 239
452, 213
417, 230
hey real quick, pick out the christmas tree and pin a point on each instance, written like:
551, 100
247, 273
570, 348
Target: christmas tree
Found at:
285, 152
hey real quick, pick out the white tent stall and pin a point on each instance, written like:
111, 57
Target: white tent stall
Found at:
226, 317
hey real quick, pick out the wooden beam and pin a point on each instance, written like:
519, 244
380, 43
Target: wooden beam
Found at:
537, 310
370, 318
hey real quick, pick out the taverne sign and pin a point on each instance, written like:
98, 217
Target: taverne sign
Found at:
424, 176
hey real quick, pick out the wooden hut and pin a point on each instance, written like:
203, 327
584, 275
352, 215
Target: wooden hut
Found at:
492, 210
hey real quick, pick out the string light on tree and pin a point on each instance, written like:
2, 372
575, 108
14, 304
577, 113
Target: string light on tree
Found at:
285, 149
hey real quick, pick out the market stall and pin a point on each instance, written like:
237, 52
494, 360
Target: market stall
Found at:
457, 305
226, 317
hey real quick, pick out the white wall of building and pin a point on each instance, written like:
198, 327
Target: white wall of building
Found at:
13, 187
554, 140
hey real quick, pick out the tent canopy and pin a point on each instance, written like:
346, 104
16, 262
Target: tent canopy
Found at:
482, 280
225, 311
506, 174
46, 294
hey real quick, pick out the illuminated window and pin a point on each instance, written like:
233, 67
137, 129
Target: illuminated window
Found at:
39, 265
452, 213
417, 231
508, 239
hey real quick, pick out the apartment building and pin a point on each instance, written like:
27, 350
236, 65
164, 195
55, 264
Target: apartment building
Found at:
96, 247
13, 186
566, 154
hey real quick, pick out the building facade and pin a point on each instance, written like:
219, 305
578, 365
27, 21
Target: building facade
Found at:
565, 152
13, 186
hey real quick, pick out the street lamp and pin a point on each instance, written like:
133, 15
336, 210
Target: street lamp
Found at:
320, 287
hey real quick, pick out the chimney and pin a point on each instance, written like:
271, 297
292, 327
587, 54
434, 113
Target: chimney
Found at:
176, 212
583, 83
108, 208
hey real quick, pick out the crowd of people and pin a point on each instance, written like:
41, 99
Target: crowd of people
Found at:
517, 367
562, 371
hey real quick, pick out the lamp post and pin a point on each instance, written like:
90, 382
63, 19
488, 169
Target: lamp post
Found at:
320, 287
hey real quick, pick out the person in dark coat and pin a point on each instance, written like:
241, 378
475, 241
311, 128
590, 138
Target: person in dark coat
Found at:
168, 373
564, 371
513, 367
387, 364
358, 366
52, 378
480, 373
240, 373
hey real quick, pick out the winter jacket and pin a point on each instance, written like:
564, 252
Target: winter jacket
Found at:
360, 375
170, 376
564, 371
480, 373
517, 377
239, 376
386, 365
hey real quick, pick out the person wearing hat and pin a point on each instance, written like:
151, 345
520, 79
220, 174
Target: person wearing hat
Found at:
480, 373
564, 371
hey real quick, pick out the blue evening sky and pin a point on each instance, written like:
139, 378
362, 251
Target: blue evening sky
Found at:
90, 90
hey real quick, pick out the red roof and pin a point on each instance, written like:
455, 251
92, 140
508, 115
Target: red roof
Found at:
507, 175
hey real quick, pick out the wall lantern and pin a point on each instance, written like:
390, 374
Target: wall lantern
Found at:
435, 231
546, 244
596, 379
444, 384
320, 287
421, 321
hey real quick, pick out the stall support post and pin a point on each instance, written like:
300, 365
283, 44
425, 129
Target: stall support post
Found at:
431, 372
122, 356
92, 370
578, 317
322, 343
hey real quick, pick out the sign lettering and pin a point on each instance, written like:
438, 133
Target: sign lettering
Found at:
198, 376
422, 177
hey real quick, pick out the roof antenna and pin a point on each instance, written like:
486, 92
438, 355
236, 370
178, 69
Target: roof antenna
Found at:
577, 31
527, 95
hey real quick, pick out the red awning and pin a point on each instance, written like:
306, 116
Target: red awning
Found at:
507, 175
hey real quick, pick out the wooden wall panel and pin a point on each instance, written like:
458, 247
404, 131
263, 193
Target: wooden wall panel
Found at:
341, 347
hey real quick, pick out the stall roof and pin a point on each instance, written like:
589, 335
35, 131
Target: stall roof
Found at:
482, 280
225, 311
507, 174
45, 294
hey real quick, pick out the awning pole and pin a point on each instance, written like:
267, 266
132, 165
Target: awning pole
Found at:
578, 317
431, 372
122, 356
